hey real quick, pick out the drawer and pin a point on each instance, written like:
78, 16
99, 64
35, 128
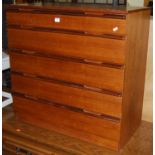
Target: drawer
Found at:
68, 122
79, 46
68, 95
69, 71
88, 24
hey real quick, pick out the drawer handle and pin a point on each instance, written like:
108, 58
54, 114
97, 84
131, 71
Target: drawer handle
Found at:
57, 20
21, 150
28, 52
92, 61
29, 75
31, 97
91, 113
115, 29
92, 88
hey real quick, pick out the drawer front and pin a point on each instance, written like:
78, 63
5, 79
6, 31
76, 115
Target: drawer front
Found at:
69, 71
85, 47
88, 100
86, 127
97, 25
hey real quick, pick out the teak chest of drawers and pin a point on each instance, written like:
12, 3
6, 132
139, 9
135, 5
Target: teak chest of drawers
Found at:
79, 69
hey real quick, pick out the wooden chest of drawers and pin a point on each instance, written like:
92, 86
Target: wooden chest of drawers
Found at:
79, 70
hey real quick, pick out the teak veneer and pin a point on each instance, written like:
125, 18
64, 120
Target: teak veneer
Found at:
31, 139
79, 69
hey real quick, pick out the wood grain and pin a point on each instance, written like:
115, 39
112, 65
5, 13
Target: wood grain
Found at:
134, 73
85, 99
97, 25
103, 74
68, 45
55, 143
71, 123
69, 71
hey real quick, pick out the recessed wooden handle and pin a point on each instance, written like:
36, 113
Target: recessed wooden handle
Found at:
26, 10
92, 88
26, 27
31, 97
29, 75
92, 61
28, 52
92, 113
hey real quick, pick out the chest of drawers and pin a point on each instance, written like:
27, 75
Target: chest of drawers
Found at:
79, 70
